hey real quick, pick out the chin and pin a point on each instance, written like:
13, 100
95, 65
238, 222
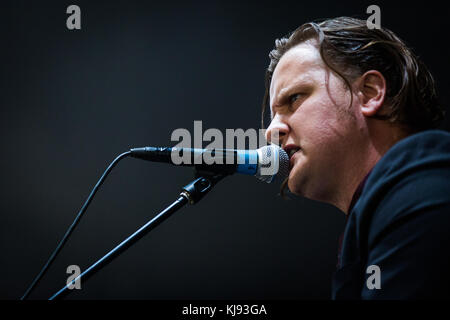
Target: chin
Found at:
296, 182
294, 187
299, 186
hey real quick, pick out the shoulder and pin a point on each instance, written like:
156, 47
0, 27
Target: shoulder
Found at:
401, 218
426, 152
411, 178
425, 148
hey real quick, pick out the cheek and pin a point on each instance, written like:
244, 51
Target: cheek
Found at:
316, 122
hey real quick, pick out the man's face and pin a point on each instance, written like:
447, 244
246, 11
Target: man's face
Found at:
310, 110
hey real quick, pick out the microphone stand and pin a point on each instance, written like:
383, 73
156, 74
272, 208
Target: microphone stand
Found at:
192, 193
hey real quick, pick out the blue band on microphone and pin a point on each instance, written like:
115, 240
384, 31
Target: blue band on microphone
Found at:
247, 162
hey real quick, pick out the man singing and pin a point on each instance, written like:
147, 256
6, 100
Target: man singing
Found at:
356, 111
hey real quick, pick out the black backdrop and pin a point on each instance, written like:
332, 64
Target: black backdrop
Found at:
72, 100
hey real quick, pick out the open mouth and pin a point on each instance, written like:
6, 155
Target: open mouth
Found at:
291, 150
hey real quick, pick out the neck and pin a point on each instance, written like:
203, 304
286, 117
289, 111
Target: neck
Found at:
344, 199
380, 137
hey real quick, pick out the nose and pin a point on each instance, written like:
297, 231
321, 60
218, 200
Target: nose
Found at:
277, 131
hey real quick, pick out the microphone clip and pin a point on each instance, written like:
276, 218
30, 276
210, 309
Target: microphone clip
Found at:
204, 182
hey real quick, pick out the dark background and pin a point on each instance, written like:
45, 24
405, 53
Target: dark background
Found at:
73, 100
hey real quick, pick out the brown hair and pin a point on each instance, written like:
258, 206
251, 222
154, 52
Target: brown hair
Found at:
349, 48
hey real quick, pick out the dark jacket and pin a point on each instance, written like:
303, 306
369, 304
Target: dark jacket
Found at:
401, 224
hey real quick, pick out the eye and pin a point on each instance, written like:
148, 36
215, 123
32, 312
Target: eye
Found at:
294, 97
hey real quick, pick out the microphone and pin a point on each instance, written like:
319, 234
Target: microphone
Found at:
265, 163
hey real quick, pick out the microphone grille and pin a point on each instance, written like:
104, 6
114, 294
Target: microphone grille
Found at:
273, 162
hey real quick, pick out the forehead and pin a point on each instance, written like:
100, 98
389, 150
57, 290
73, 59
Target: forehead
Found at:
301, 63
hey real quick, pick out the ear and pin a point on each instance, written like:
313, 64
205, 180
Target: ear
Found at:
372, 91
